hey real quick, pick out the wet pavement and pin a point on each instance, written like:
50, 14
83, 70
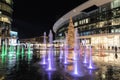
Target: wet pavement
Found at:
24, 69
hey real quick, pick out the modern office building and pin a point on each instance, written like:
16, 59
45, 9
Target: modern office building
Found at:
5, 18
98, 22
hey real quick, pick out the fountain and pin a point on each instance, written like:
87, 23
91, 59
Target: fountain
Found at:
43, 62
61, 52
29, 53
3, 49
11, 51
22, 52
66, 50
91, 65
78, 68
3, 59
85, 61
51, 65
18, 52
76, 51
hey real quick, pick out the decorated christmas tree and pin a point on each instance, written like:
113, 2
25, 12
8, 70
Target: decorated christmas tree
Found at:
70, 38
71, 32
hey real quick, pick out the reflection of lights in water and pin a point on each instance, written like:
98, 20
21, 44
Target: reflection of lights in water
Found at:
3, 59
11, 62
3, 48
49, 76
22, 52
18, 50
61, 52
90, 72
70, 67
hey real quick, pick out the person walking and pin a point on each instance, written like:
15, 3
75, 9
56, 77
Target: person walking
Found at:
116, 56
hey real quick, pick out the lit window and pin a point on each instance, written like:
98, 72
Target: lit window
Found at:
76, 24
5, 19
79, 22
86, 20
112, 30
115, 3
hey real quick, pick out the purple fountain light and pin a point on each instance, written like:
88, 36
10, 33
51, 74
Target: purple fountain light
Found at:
85, 60
43, 62
51, 65
77, 64
66, 50
61, 52
91, 65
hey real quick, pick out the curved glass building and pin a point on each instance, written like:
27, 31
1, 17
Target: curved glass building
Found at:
5, 18
98, 22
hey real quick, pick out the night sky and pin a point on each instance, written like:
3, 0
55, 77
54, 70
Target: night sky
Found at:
33, 17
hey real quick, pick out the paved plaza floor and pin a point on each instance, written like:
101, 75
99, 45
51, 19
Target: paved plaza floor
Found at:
12, 69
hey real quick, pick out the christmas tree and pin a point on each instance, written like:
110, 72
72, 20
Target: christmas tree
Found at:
71, 32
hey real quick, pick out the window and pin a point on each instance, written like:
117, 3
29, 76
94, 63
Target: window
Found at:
115, 3
80, 22
87, 20
76, 24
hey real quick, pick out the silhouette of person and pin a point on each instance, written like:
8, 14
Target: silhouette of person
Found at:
116, 56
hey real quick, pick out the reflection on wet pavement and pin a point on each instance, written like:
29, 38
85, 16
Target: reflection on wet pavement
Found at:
24, 69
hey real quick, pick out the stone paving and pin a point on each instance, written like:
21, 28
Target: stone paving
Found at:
108, 69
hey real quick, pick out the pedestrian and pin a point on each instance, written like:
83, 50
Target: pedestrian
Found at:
116, 56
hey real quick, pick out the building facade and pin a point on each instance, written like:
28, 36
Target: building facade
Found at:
5, 18
97, 21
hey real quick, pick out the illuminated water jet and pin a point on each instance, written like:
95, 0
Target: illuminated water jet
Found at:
91, 65
51, 65
43, 61
66, 50
78, 68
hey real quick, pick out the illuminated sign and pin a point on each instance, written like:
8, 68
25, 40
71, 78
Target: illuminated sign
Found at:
13, 33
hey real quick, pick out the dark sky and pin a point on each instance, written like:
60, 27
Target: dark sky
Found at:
33, 17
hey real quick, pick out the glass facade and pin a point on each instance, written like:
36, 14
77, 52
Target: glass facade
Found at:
103, 21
